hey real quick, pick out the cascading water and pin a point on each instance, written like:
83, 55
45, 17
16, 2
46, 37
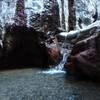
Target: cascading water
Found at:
64, 52
60, 67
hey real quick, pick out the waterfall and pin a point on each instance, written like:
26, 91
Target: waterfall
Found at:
60, 66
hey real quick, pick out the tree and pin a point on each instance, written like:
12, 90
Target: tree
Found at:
51, 15
20, 17
72, 15
63, 15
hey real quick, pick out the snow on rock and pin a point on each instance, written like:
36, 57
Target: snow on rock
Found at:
85, 10
95, 24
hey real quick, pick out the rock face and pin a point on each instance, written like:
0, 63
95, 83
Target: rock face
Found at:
85, 57
25, 47
22, 47
53, 51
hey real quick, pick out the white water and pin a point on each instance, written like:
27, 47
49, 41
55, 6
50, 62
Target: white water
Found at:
60, 67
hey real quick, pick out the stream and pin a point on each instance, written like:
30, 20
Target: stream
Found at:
60, 67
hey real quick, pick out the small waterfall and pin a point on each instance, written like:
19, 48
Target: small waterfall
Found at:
60, 67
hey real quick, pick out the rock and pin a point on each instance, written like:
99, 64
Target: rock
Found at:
53, 50
78, 35
23, 46
85, 57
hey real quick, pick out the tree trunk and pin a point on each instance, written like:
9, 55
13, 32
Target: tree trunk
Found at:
52, 20
20, 17
63, 16
72, 15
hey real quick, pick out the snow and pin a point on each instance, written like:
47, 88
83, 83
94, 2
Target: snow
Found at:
7, 11
33, 6
95, 24
84, 9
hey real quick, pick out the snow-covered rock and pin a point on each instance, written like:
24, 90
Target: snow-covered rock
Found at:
85, 57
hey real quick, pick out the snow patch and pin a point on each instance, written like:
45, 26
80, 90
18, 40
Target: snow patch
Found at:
95, 24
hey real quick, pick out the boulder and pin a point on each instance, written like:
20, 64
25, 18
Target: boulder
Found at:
24, 46
85, 57
54, 54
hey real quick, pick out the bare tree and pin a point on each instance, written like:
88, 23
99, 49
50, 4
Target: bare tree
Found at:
72, 15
